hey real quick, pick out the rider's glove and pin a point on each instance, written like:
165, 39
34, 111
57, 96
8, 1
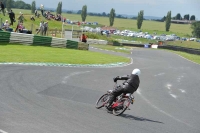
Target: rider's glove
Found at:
115, 79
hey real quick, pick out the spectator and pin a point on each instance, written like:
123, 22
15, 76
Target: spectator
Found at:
58, 17
6, 25
41, 28
20, 27
42, 9
84, 38
36, 13
2, 8
45, 28
32, 18
21, 18
12, 17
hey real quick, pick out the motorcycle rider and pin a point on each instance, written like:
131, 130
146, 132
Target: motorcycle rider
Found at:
130, 85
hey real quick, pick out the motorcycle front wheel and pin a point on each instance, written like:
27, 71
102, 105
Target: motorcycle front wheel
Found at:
102, 101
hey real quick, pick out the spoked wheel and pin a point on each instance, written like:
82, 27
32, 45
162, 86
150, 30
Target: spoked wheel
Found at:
102, 101
123, 108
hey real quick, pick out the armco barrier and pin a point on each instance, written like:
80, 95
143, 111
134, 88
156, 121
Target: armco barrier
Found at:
170, 47
132, 45
96, 41
42, 41
21, 38
4, 36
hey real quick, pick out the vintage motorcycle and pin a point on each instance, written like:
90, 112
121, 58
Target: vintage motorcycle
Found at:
120, 104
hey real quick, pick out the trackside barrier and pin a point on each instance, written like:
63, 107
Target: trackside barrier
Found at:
30, 39
4, 37
96, 41
42, 40
170, 47
58, 42
72, 44
21, 38
83, 46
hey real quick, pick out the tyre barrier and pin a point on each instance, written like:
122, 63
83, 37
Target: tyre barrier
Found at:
36, 40
4, 37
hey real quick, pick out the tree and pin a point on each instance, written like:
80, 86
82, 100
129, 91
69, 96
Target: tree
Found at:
140, 19
163, 19
59, 8
103, 14
168, 21
79, 12
192, 17
187, 17
33, 7
8, 5
178, 16
112, 16
84, 13
196, 29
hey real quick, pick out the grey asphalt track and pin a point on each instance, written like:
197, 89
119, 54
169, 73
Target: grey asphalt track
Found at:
38, 99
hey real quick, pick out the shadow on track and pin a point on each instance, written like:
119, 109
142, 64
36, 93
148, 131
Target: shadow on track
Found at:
130, 117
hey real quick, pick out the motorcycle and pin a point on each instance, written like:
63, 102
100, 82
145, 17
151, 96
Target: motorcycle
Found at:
121, 103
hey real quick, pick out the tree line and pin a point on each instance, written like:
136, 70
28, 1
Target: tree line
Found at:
15, 4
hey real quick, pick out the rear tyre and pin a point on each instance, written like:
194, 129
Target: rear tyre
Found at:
102, 101
117, 112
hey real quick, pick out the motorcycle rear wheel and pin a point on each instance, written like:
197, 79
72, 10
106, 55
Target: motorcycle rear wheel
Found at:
119, 112
102, 101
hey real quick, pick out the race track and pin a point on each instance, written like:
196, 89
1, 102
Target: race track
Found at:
40, 99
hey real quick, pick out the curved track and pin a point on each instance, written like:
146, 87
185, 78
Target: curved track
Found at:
62, 99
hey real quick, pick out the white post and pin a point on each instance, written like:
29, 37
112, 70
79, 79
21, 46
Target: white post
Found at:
62, 30
72, 30
81, 33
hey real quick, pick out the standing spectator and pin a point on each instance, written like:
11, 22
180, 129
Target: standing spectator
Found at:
42, 9
36, 13
84, 38
45, 28
12, 17
21, 18
41, 28
2, 8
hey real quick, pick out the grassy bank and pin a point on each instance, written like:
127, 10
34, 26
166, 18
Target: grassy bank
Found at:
22, 53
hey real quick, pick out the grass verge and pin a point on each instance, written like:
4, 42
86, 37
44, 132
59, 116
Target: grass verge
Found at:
39, 54
191, 57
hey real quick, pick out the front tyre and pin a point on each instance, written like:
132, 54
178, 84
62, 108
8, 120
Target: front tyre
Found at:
125, 103
102, 101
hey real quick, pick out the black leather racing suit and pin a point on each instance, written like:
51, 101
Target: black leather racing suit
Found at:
130, 85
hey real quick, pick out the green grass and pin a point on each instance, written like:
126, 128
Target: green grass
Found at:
147, 26
23, 53
191, 57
